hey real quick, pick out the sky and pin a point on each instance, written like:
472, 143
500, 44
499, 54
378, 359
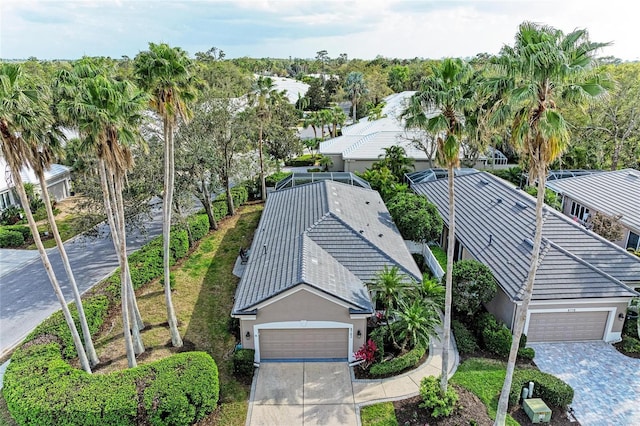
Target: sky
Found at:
63, 29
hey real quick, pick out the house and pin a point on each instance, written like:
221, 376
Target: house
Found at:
363, 143
58, 179
584, 282
303, 293
613, 193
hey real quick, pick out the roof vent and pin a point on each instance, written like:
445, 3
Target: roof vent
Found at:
633, 175
490, 238
380, 235
362, 231
484, 181
529, 242
498, 200
366, 202
521, 204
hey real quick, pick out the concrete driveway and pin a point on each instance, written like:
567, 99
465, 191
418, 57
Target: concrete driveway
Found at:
606, 383
302, 393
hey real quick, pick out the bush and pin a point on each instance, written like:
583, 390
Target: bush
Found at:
398, 364
377, 336
416, 218
303, 160
274, 178
199, 226
473, 286
10, 238
40, 388
220, 208
434, 401
24, 230
552, 390
11, 215
243, 362
498, 340
630, 344
526, 353
314, 170
178, 244
465, 340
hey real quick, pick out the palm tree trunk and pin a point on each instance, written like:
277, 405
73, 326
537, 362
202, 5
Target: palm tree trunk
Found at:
19, 186
84, 326
169, 172
451, 243
522, 312
353, 102
263, 185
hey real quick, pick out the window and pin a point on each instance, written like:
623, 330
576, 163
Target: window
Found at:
633, 242
5, 201
578, 212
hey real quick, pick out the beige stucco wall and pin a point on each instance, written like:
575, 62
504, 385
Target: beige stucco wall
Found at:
303, 305
502, 307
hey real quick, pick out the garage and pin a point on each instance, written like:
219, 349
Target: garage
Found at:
567, 326
307, 343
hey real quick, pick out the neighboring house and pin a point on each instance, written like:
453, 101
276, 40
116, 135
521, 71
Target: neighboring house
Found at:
58, 179
363, 143
582, 287
303, 294
614, 194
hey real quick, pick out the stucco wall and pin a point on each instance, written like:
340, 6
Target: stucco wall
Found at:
502, 307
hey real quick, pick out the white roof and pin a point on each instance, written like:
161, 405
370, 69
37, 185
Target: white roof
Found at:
28, 176
372, 146
293, 87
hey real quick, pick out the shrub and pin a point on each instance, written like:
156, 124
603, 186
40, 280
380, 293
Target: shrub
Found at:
497, 341
526, 353
303, 160
630, 344
24, 230
416, 218
10, 238
465, 340
314, 170
40, 388
552, 390
243, 362
398, 364
377, 336
11, 215
473, 286
220, 208
367, 354
178, 244
434, 401
199, 226
274, 178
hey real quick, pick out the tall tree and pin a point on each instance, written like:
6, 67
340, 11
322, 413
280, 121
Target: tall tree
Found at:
262, 89
447, 93
355, 87
164, 72
24, 113
543, 66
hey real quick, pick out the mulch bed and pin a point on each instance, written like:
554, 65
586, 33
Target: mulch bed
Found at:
635, 355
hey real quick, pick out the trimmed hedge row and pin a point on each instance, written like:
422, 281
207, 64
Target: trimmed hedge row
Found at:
243, 362
198, 225
465, 340
41, 388
396, 365
551, 389
24, 230
497, 338
10, 238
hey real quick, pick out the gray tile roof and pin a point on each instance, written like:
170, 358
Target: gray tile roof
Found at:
329, 235
575, 263
611, 193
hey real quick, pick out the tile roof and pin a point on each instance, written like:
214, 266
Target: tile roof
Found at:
496, 223
28, 176
329, 235
612, 193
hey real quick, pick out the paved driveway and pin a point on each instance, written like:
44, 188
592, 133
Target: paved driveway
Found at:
606, 383
303, 393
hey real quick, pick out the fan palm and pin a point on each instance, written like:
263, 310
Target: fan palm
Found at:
24, 115
448, 92
543, 65
165, 73
355, 87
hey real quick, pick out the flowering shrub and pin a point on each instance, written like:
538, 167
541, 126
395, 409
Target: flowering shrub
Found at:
367, 354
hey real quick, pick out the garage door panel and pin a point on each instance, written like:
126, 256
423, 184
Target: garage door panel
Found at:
567, 326
304, 343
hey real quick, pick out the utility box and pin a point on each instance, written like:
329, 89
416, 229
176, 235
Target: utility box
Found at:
537, 410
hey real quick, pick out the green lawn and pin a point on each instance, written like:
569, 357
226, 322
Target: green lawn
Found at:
69, 227
483, 377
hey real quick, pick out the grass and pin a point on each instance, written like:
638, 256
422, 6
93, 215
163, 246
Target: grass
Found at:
382, 414
440, 255
69, 226
202, 298
483, 377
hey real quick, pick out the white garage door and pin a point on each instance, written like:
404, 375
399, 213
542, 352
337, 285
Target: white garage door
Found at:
304, 343
567, 326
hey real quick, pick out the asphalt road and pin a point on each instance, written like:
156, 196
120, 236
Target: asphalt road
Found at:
26, 295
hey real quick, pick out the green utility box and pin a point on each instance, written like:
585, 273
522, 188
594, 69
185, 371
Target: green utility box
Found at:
537, 410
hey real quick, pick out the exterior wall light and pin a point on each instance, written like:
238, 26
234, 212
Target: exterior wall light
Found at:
247, 335
359, 334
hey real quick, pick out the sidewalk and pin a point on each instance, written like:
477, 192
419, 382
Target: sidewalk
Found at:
367, 392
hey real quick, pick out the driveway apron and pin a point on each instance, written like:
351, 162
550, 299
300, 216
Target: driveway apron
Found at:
606, 383
303, 393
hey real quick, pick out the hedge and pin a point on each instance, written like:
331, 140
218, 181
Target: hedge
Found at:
552, 390
10, 238
41, 388
274, 178
95, 310
465, 340
24, 230
243, 362
303, 160
398, 364
199, 226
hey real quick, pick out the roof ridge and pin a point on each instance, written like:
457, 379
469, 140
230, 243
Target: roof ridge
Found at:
359, 142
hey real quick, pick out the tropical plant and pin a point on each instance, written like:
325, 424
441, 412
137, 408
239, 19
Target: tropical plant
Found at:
543, 66
417, 321
24, 117
444, 96
356, 87
395, 159
389, 287
164, 72
338, 118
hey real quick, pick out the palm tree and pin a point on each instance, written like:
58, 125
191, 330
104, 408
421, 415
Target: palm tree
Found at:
24, 113
389, 287
165, 73
261, 90
338, 118
418, 321
355, 87
543, 65
325, 117
395, 159
447, 92
107, 113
